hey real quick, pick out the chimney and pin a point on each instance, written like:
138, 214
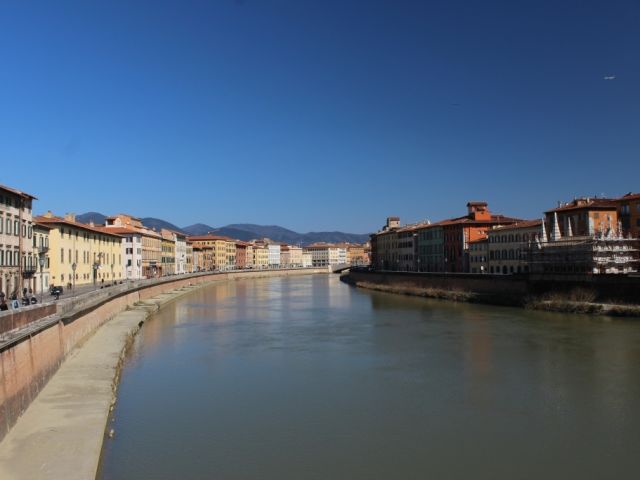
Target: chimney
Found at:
49, 214
91, 224
70, 217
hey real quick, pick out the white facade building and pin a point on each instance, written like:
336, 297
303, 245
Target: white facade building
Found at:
323, 255
274, 255
181, 254
132, 255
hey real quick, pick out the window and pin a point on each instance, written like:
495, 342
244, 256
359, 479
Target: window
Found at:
16, 228
8, 226
1, 224
62, 255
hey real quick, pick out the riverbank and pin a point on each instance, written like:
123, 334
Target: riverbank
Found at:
496, 292
60, 434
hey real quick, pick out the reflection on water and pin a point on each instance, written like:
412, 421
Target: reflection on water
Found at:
307, 378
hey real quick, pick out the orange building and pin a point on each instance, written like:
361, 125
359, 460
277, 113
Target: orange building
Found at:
582, 217
459, 232
628, 208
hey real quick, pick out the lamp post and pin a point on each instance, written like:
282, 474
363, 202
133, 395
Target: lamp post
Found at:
96, 266
73, 269
41, 260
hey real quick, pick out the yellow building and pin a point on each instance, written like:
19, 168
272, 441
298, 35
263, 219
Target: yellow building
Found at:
249, 257
189, 259
223, 250
168, 259
81, 254
260, 256
356, 254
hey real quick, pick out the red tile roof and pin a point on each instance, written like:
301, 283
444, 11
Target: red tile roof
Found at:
521, 224
629, 196
200, 238
42, 220
17, 192
586, 204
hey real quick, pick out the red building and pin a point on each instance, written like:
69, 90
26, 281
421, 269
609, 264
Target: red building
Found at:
459, 232
241, 255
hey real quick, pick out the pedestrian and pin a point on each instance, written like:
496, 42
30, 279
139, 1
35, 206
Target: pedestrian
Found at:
3, 305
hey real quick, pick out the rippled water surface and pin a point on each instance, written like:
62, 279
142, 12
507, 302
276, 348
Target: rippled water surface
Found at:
308, 378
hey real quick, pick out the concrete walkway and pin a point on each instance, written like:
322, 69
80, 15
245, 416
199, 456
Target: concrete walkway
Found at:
60, 435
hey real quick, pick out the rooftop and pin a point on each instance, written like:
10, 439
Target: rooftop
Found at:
586, 203
55, 220
17, 192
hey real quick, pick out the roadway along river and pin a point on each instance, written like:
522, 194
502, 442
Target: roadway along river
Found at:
308, 378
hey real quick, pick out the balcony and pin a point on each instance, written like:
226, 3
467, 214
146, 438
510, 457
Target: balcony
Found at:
29, 271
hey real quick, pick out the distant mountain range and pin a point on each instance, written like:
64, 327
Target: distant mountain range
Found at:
241, 231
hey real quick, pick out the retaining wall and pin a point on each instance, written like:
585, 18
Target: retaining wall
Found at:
509, 289
494, 289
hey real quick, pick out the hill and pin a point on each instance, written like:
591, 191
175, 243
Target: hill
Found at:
242, 231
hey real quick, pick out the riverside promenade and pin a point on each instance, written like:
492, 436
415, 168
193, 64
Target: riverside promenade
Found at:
61, 432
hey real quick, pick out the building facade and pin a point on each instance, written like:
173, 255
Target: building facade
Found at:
430, 248
168, 259
40, 254
16, 234
82, 254
582, 217
508, 246
260, 256
628, 208
274, 255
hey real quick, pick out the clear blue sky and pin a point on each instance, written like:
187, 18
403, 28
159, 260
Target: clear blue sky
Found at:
318, 115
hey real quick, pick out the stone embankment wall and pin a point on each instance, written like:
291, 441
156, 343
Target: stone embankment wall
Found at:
513, 290
30, 357
493, 289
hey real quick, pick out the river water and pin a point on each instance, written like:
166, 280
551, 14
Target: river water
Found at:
308, 378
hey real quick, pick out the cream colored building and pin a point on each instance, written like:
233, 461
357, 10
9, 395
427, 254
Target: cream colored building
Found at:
168, 259
290, 256
40, 251
249, 262
324, 254
16, 233
189, 257
508, 246
260, 256
479, 256
82, 254
142, 247
223, 250
307, 260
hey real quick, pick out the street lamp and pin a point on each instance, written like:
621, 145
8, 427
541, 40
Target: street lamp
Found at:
96, 266
73, 269
42, 252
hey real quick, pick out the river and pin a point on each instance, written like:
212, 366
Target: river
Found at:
309, 378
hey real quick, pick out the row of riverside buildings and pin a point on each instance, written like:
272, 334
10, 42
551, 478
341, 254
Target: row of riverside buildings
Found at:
584, 236
37, 252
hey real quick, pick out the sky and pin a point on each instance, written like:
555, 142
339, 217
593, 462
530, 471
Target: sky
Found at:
318, 115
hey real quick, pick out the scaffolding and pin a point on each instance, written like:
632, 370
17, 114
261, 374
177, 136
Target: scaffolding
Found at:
594, 254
